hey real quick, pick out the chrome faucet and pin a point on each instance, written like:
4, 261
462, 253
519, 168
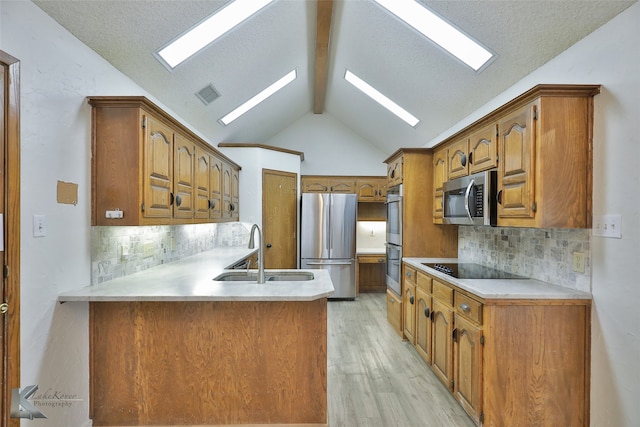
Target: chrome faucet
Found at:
260, 251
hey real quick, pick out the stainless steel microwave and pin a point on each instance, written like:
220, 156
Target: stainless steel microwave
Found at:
471, 200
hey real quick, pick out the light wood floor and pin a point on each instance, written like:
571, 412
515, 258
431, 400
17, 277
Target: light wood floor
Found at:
375, 378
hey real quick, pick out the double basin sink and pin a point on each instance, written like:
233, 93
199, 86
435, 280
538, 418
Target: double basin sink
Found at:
269, 276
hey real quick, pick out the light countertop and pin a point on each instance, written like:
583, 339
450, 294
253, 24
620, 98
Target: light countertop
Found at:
191, 279
500, 288
371, 251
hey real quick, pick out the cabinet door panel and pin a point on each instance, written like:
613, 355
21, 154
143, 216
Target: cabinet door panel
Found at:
183, 175
439, 178
409, 304
517, 142
367, 190
441, 341
457, 158
423, 325
483, 149
215, 188
158, 170
467, 375
203, 183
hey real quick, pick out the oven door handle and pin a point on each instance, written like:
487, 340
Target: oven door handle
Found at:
466, 199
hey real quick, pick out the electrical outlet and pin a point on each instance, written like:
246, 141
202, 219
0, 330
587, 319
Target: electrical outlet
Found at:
148, 249
608, 226
578, 262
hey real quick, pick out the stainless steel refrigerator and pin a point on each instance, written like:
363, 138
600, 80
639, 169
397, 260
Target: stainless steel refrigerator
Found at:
328, 238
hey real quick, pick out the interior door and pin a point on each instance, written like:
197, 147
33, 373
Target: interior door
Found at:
280, 218
10, 226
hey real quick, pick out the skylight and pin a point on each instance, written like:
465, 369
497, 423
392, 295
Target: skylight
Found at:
209, 30
291, 76
381, 99
439, 31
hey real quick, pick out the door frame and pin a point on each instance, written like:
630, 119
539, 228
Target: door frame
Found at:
11, 320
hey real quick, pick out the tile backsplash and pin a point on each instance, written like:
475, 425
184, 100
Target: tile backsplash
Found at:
542, 254
120, 251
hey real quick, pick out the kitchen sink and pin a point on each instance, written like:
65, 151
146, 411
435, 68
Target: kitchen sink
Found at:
276, 276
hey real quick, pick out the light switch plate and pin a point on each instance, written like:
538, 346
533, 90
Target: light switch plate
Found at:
39, 226
608, 226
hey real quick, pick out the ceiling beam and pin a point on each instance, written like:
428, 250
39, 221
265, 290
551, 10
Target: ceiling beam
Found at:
323, 31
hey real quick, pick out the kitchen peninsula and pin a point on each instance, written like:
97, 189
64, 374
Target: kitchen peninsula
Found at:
171, 346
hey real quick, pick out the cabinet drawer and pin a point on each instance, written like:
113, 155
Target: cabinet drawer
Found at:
372, 259
468, 307
424, 282
409, 274
442, 292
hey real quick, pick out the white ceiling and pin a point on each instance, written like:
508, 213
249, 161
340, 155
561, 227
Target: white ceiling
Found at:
365, 38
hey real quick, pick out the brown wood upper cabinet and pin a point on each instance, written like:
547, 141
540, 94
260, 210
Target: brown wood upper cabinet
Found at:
541, 143
368, 188
545, 172
371, 189
439, 178
154, 170
328, 184
473, 153
394, 171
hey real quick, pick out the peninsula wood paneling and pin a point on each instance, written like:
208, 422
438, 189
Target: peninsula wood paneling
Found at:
208, 363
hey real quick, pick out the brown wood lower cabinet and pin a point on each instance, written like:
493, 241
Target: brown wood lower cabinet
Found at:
208, 363
507, 362
371, 273
394, 311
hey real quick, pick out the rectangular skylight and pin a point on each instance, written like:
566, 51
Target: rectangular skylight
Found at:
381, 99
439, 31
209, 30
291, 76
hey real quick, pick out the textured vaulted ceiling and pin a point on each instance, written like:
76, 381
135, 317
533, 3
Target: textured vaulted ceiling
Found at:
364, 38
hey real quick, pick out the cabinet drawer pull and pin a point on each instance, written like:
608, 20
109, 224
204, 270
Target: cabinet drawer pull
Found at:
411, 299
408, 274
391, 300
178, 200
454, 335
427, 312
499, 197
465, 307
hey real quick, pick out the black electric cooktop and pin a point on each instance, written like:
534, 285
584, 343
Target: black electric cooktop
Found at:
467, 270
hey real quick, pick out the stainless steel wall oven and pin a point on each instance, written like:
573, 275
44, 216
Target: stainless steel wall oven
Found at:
394, 238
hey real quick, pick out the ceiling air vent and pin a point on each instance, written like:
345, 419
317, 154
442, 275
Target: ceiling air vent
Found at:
207, 94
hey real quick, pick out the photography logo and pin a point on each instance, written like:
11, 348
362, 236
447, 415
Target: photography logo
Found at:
20, 405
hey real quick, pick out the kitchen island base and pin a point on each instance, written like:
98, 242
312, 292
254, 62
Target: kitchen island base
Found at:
208, 363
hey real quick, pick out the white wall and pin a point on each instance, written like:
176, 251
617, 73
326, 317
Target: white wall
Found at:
610, 56
253, 160
330, 147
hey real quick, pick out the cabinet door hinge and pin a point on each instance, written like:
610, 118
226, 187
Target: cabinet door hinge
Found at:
481, 418
535, 113
534, 207
142, 207
452, 383
144, 123
482, 340
5, 271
